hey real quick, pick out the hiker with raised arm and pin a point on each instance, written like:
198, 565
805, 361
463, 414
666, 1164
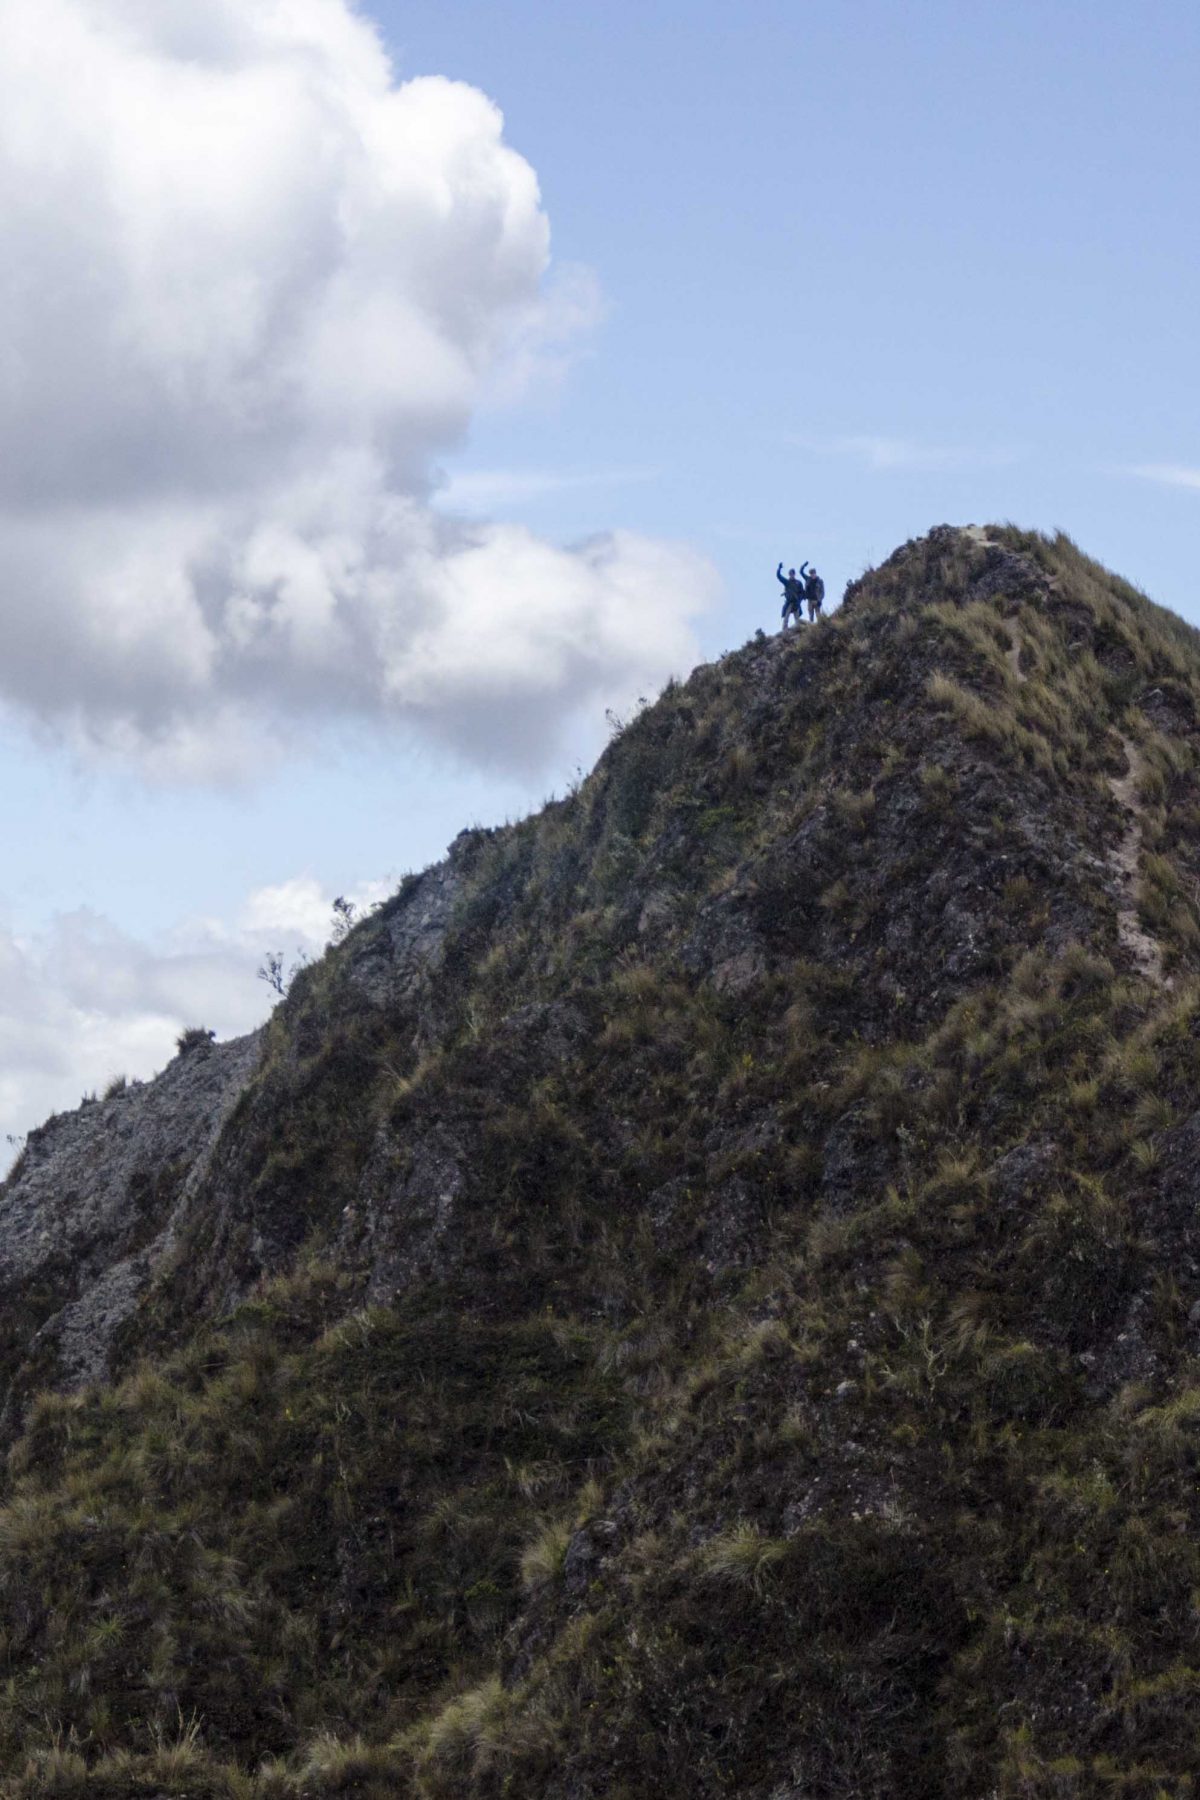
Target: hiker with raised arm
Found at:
793, 595
814, 591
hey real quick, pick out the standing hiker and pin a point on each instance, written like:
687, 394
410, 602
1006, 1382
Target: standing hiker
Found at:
814, 591
793, 594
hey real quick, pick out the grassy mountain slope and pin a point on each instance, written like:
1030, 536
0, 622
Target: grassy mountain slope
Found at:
701, 1292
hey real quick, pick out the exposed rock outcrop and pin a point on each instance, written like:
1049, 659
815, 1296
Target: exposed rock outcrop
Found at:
93, 1207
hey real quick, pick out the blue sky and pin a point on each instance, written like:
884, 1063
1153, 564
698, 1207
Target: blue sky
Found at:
966, 229
843, 271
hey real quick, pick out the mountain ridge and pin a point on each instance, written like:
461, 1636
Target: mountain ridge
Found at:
695, 1294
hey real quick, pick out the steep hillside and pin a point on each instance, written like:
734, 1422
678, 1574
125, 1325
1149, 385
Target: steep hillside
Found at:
698, 1295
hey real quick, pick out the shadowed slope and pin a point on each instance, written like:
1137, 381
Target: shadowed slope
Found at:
697, 1295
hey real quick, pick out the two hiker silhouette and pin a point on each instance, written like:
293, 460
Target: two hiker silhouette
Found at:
807, 586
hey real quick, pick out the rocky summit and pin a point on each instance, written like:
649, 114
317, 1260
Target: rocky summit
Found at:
697, 1295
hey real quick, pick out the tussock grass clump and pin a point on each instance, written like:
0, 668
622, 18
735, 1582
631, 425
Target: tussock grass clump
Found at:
742, 1556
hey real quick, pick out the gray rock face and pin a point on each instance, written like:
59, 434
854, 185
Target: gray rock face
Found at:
395, 961
408, 1220
1023, 1172
89, 1212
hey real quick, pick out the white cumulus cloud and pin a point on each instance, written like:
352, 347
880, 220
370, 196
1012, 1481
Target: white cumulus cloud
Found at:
255, 287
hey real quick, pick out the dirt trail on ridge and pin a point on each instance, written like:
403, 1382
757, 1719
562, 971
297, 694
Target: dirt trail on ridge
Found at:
1124, 861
